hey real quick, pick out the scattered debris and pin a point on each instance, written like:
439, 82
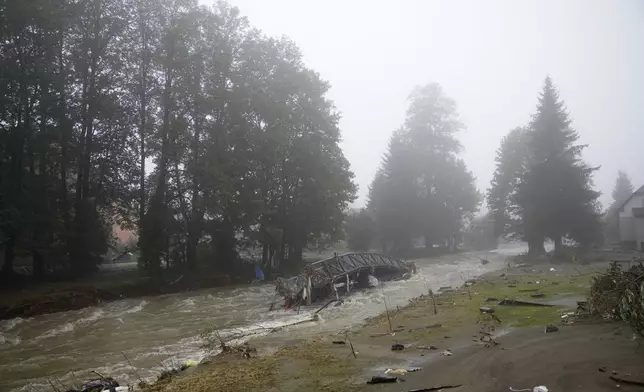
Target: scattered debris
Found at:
618, 294
515, 302
402, 372
528, 290
629, 381
384, 380
513, 285
446, 353
552, 269
485, 309
484, 261
339, 302
439, 388
538, 295
540, 388
551, 328
380, 334
492, 299
397, 347
602, 369
339, 342
100, 384
485, 336
428, 347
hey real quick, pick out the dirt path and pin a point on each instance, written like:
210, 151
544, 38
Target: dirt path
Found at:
567, 360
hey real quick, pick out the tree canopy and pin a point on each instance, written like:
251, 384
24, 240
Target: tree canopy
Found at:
546, 190
622, 191
180, 121
423, 188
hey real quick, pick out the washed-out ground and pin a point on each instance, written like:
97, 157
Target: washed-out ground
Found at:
581, 356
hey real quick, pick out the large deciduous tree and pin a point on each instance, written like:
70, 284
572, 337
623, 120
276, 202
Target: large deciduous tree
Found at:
243, 140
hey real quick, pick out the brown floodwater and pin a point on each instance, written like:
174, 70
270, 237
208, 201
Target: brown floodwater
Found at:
157, 332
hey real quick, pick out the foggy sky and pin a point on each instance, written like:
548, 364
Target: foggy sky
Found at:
491, 57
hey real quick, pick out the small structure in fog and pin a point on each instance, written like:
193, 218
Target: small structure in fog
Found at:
631, 221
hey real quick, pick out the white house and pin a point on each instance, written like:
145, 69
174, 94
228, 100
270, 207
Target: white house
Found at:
631, 221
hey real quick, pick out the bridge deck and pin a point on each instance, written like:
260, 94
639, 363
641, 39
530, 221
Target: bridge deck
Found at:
324, 272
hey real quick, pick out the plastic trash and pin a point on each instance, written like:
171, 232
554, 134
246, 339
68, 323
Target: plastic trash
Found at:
398, 372
540, 388
117, 389
551, 270
446, 353
191, 363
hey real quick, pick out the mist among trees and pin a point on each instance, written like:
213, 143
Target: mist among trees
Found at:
542, 188
203, 135
180, 121
422, 188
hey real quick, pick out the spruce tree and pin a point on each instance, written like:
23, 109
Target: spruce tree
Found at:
621, 192
623, 189
555, 195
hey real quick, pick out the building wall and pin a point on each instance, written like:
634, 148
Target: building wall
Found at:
629, 226
636, 201
639, 233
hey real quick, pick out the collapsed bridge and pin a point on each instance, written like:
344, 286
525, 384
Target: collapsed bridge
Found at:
318, 280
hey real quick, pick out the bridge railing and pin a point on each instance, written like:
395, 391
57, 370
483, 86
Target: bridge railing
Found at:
325, 271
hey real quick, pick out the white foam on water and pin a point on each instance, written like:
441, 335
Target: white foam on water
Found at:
241, 313
129, 310
67, 327
9, 340
8, 325
93, 316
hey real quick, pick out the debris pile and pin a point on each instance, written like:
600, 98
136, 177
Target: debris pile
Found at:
618, 294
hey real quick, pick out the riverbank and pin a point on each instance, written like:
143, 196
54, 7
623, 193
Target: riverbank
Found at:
122, 281
106, 286
447, 336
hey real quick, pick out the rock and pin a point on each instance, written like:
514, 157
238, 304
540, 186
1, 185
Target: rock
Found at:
551, 328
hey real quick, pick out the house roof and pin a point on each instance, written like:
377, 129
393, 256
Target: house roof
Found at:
640, 191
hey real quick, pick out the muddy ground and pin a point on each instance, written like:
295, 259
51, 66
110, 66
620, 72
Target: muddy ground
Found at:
581, 356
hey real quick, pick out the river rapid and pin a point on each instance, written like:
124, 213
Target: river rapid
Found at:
157, 332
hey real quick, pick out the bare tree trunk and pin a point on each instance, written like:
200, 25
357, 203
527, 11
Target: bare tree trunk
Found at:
535, 247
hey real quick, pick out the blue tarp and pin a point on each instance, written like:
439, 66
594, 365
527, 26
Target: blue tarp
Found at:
259, 275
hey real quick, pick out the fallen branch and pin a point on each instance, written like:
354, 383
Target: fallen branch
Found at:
627, 381
435, 388
514, 302
325, 305
133, 368
52, 385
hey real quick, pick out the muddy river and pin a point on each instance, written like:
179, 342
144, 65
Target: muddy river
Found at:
159, 331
